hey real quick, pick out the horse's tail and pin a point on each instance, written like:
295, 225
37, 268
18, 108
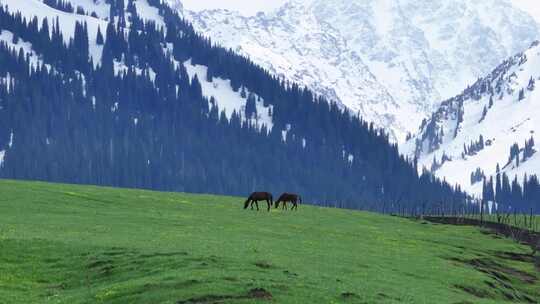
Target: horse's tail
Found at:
271, 199
246, 204
299, 199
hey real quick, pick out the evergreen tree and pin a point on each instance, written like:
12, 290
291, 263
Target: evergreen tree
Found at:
251, 106
531, 84
498, 187
506, 191
99, 37
243, 93
521, 95
484, 114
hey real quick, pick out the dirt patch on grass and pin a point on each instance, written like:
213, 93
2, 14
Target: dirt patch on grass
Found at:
107, 270
348, 295
479, 293
231, 279
209, 299
491, 233
102, 267
163, 254
263, 265
117, 252
61, 286
382, 295
515, 256
188, 283
259, 293
252, 294
414, 275
170, 285
99, 263
501, 272
497, 271
51, 260
291, 274
501, 285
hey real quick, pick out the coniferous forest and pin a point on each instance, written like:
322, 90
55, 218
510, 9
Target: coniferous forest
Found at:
514, 195
68, 119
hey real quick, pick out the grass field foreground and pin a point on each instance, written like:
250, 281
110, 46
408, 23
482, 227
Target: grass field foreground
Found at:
84, 244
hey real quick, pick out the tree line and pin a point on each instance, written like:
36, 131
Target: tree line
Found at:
521, 196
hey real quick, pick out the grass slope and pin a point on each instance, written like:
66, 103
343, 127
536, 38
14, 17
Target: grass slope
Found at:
82, 244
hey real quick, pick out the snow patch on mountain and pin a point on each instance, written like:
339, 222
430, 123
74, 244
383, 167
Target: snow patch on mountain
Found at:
149, 13
9, 146
476, 130
227, 99
7, 82
11, 137
21, 45
121, 68
100, 7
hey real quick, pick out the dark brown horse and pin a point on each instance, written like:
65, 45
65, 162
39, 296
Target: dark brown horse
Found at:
255, 197
295, 199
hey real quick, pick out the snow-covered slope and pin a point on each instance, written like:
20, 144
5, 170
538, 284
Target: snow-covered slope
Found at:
227, 99
476, 129
35, 8
98, 17
392, 61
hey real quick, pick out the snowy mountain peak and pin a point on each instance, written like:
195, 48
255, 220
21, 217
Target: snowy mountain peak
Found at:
492, 124
391, 61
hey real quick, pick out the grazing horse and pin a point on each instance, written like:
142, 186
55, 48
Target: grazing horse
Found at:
295, 199
255, 197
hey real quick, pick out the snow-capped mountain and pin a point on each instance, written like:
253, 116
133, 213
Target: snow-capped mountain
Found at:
493, 122
391, 61
126, 93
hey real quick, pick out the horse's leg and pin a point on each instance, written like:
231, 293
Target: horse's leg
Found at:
257, 204
252, 201
268, 202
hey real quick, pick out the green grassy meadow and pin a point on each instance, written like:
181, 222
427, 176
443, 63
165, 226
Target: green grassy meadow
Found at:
85, 244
